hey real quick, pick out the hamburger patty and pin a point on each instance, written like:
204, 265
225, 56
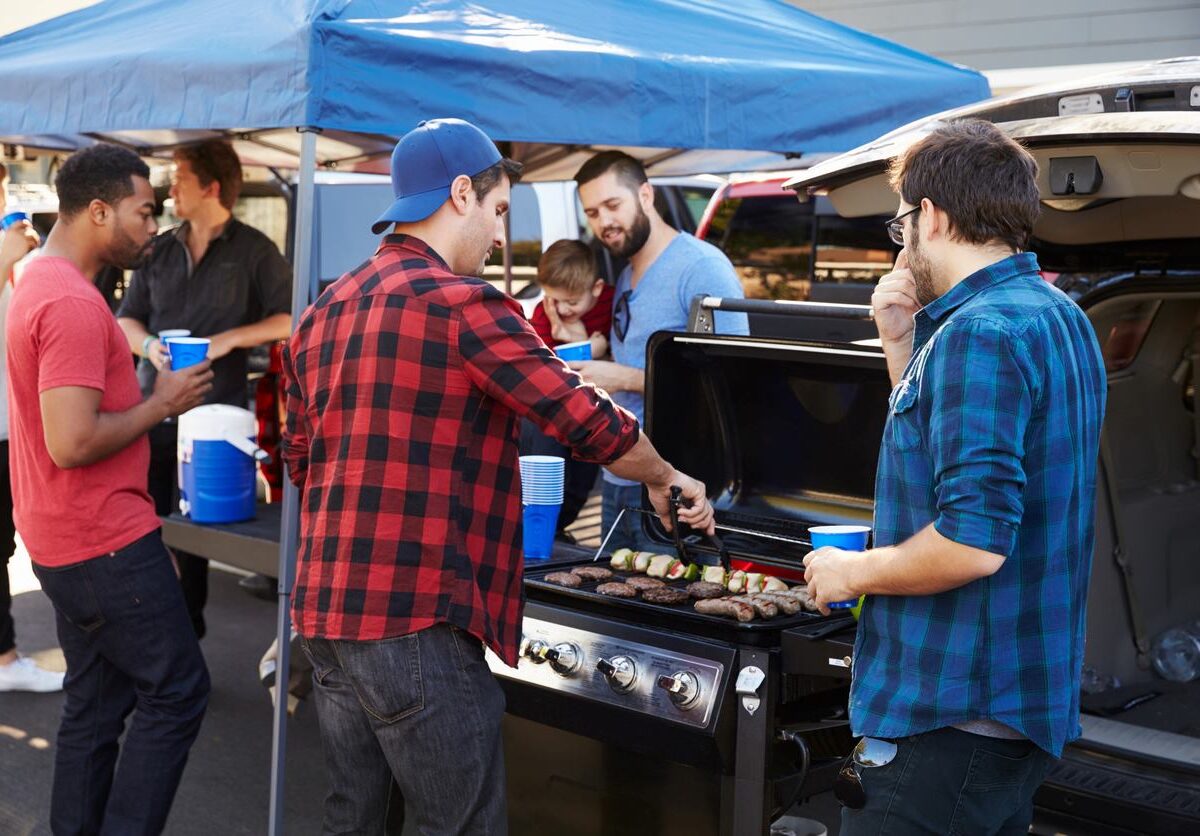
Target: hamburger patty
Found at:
593, 573
564, 579
704, 589
664, 595
617, 590
644, 582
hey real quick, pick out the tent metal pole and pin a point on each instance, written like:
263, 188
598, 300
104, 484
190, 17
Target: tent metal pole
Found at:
290, 530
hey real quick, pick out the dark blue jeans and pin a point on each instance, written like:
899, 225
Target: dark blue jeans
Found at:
130, 648
629, 534
950, 782
423, 709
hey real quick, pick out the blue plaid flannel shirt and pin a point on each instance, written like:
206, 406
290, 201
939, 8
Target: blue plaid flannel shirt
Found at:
993, 436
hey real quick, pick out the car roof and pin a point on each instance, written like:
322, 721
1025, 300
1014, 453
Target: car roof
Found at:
1048, 114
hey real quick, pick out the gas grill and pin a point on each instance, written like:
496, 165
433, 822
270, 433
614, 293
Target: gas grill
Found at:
631, 717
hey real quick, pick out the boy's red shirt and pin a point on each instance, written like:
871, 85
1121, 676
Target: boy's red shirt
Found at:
597, 320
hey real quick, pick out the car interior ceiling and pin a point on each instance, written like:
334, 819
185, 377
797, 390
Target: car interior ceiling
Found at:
1151, 342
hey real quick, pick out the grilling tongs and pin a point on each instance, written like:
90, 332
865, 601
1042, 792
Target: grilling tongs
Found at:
676, 502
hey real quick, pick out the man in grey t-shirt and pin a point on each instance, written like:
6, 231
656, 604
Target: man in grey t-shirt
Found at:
653, 293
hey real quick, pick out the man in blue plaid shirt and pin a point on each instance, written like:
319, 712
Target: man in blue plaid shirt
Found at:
969, 651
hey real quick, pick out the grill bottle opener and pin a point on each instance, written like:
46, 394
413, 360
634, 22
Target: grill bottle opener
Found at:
748, 681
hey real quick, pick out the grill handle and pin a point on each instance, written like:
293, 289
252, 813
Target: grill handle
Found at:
700, 315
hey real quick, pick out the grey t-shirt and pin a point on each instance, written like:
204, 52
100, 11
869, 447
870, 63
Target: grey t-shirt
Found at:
686, 268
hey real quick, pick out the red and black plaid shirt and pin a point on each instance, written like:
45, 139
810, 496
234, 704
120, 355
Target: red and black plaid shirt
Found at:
405, 383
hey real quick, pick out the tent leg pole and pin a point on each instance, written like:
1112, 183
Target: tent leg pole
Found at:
290, 530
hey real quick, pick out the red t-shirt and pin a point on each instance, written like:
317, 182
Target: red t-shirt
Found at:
61, 333
597, 321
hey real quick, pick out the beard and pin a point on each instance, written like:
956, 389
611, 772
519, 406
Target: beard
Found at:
125, 253
922, 269
632, 239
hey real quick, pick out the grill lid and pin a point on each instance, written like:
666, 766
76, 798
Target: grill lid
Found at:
785, 434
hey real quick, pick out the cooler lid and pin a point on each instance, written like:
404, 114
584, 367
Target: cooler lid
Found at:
785, 434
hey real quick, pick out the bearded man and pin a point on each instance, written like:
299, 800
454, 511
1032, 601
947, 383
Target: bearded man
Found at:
666, 270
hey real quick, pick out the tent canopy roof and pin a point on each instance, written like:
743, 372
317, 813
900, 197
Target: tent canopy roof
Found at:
657, 75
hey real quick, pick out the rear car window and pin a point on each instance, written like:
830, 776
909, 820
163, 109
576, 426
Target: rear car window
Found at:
1120, 346
784, 249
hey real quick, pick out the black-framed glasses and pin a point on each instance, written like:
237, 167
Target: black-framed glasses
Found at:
895, 227
622, 316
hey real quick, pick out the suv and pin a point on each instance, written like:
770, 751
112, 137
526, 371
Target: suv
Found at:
1119, 160
804, 252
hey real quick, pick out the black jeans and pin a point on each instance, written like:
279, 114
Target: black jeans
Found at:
130, 649
162, 483
950, 782
423, 709
8, 544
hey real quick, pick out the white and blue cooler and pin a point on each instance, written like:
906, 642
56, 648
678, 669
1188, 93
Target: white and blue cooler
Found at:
217, 453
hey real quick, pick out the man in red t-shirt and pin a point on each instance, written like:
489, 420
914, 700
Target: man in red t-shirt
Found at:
78, 458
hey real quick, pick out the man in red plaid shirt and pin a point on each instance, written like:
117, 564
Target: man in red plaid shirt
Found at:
406, 380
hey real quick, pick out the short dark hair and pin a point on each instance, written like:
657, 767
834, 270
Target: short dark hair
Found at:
568, 264
101, 172
628, 170
489, 178
215, 160
981, 178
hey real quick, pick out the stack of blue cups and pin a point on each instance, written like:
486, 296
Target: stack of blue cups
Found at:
541, 496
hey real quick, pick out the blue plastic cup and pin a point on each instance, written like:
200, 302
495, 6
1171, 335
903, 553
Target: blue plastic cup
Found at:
581, 350
540, 522
12, 218
851, 538
187, 351
542, 480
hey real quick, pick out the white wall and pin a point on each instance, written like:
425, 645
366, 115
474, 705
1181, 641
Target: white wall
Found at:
997, 34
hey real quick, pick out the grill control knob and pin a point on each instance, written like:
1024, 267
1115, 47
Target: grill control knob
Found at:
536, 650
620, 671
683, 688
565, 658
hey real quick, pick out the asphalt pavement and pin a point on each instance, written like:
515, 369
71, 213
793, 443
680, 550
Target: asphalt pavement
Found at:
226, 786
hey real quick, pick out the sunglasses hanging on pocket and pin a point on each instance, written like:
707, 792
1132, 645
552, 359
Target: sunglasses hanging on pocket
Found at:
870, 752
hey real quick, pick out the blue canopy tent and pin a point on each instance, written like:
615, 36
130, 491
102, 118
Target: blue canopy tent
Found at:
303, 83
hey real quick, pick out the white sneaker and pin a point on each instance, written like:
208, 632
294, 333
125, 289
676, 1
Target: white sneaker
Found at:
25, 675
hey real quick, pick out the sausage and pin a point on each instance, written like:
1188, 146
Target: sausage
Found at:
789, 604
764, 608
801, 594
726, 607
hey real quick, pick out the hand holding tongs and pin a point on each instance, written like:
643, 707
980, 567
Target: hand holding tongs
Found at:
676, 502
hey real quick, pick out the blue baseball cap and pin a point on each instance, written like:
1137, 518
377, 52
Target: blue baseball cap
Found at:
425, 162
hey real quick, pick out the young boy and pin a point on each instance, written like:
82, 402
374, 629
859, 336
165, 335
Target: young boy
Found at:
578, 305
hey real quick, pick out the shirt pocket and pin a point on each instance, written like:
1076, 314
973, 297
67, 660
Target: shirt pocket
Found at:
224, 289
904, 422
